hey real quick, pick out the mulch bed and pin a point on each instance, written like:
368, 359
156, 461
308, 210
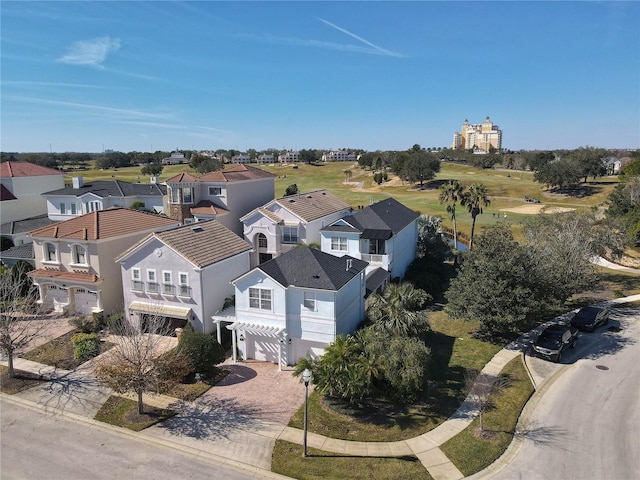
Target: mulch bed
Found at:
22, 381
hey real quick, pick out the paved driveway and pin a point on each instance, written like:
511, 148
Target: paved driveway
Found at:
239, 418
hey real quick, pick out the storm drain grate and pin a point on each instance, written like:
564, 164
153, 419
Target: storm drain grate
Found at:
602, 367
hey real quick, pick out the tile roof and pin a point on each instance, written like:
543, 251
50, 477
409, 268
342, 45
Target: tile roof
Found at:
22, 252
79, 277
114, 188
5, 194
206, 207
104, 224
380, 220
235, 173
310, 268
268, 214
26, 225
312, 205
25, 169
203, 243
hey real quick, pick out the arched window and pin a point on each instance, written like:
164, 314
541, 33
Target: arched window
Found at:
262, 240
50, 252
79, 255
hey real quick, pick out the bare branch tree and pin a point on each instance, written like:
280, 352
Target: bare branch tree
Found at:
136, 363
21, 317
481, 388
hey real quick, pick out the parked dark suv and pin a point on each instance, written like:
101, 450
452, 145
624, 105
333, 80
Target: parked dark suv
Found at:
554, 340
590, 318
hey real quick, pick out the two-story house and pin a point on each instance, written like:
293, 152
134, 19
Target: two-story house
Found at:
383, 234
278, 226
75, 268
22, 186
296, 304
81, 198
224, 195
183, 274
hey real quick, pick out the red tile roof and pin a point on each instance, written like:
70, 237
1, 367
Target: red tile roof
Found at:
104, 224
205, 207
235, 173
79, 277
25, 169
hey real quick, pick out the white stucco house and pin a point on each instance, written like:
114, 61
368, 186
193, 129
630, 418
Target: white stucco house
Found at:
81, 198
295, 304
21, 187
224, 195
383, 234
75, 271
278, 226
183, 274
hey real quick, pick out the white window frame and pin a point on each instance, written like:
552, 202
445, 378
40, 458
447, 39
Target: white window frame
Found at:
213, 190
167, 283
50, 256
74, 209
93, 206
309, 301
339, 244
76, 257
260, 295
136, 274
63, 208
174, 195
263, 238
151, 275
184, 196
286, 232
183, 284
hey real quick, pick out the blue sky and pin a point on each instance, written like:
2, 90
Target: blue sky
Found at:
83, 76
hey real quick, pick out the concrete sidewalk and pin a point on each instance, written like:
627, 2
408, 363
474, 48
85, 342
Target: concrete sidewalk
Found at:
237, 438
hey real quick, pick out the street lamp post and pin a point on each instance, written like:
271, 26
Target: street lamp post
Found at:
306, 377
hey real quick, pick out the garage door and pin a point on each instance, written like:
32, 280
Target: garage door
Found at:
85, 301
262, 348
56, 297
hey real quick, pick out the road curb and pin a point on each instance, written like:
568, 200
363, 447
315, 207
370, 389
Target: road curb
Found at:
195, 453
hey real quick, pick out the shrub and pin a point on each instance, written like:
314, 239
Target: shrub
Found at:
87, 346
203, 351
84, 324
114, 322
171, 368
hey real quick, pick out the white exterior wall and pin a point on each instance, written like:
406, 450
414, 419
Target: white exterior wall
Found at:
349, 306
242, 197
403, 249
353, 244
29, 190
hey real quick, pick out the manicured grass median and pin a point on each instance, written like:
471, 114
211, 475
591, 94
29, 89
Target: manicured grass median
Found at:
288, 460
123, 412
468, 450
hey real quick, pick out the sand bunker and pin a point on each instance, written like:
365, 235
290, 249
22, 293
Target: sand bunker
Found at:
535, 208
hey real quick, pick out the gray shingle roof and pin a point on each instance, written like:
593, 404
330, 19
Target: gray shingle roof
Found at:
380, 220
26, 225
114, 188
21, 252
310, 268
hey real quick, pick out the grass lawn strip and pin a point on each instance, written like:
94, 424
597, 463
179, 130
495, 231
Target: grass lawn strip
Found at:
123, 412
22, 381
468, 450
287, 460
59, 352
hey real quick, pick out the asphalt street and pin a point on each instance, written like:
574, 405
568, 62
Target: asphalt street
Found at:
36, 446
586, 426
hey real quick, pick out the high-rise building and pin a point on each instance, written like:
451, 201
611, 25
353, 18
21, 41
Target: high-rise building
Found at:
481, 138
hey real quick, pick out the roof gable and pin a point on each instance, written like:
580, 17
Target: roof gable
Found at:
102, 224
310, 268
313, 205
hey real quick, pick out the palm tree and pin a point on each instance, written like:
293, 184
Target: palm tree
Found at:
475, 198
394, 310
451, 193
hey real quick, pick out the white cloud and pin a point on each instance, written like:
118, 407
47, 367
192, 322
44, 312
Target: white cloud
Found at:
91, 52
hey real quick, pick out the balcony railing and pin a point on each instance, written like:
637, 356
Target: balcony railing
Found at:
153, 287
137, 286
168, 289
184, 291
378, 259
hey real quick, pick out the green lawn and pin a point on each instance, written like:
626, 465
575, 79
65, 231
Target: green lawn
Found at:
123, 412
59, 352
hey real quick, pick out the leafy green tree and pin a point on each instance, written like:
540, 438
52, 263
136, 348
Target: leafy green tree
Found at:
203, 351
495, 285
475, 198
153, 169
563, 173
308, 156
590, 161
291, 190
205, 164
624, 206
451, 193
405, 366
396, 310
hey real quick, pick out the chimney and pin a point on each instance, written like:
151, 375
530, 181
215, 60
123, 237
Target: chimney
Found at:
77, 182
349, 262
153, 179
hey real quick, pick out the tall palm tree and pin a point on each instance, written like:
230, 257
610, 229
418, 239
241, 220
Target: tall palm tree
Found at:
451, 193
475, 198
